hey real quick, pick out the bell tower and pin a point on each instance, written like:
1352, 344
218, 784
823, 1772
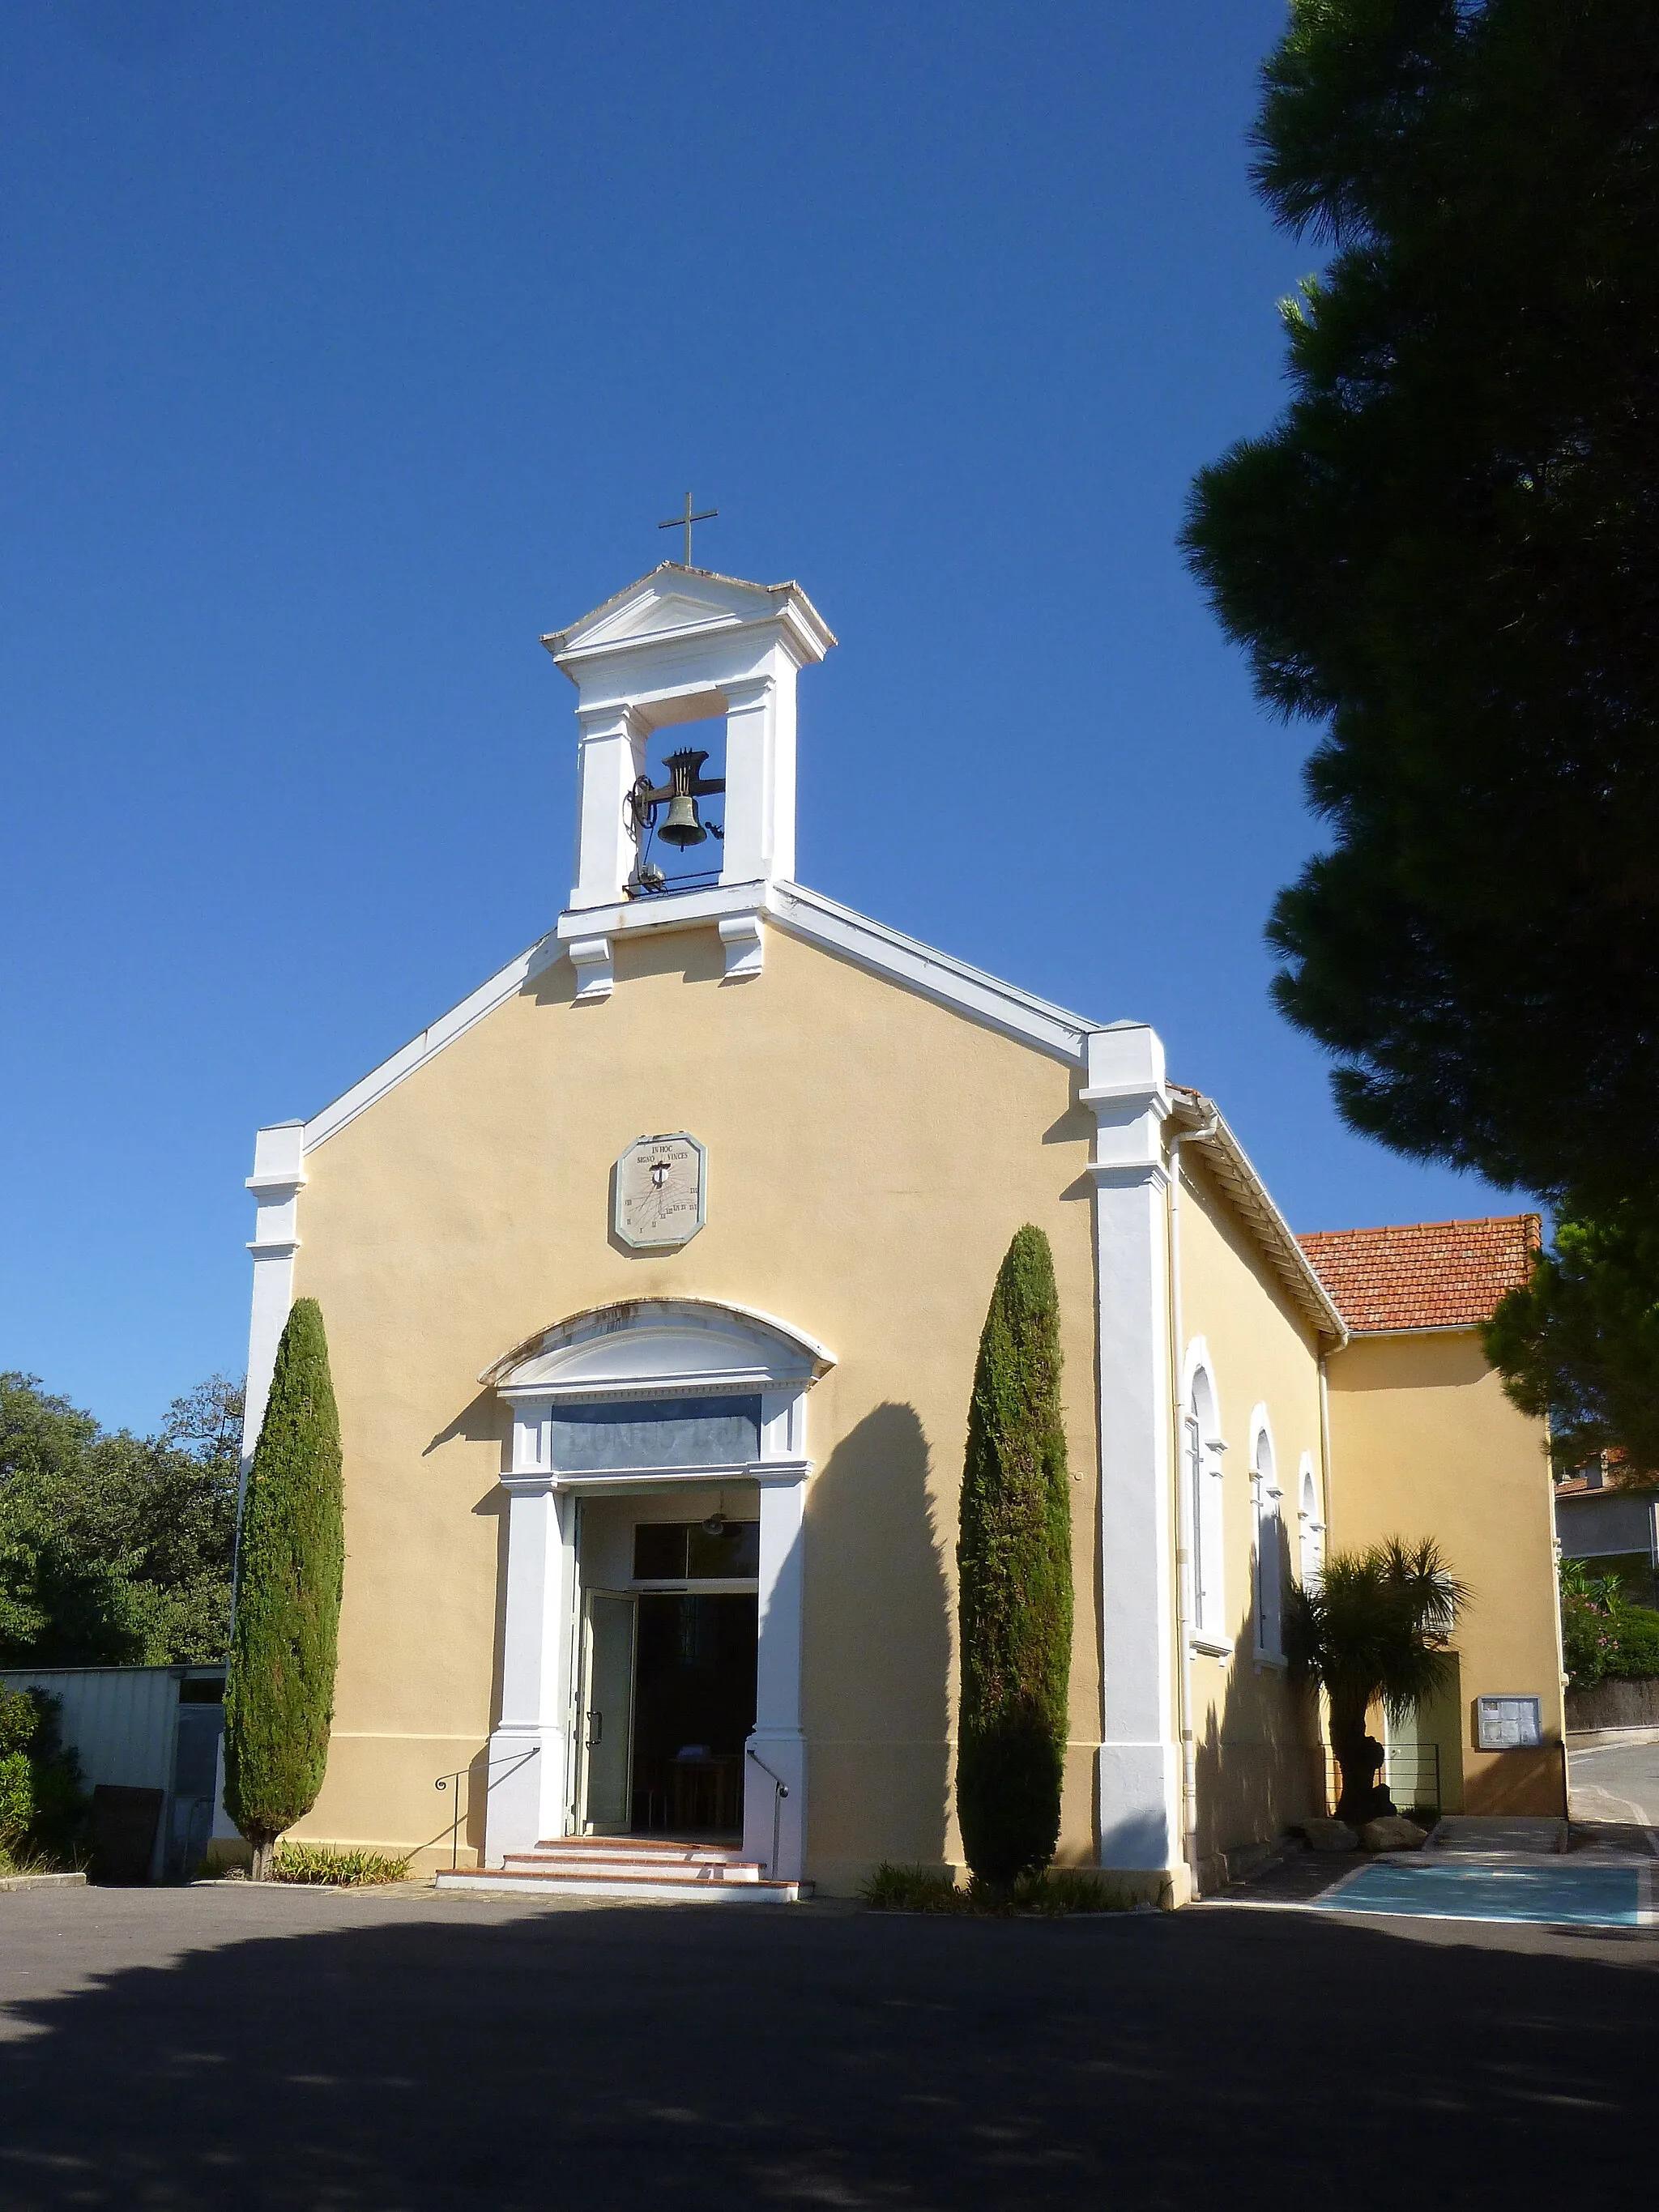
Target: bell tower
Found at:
682, 645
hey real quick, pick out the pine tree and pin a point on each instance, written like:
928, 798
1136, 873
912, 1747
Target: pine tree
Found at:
1014, 1577
279, 1693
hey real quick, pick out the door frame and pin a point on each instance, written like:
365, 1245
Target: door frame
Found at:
648, 1348
583, 1741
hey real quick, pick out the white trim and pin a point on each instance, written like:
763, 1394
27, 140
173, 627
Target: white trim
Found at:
1267, 1523
590, 959
950, 982
1204, 1488
694, 1346
635, 1349
1138, 1776
743, 937
278, 1178
1310, 1527
505, 984
1203, 1120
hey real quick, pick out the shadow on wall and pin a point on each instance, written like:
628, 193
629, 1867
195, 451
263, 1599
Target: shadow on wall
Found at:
1261, 1765
878, 1650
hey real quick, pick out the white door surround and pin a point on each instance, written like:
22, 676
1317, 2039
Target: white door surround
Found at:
663, 1349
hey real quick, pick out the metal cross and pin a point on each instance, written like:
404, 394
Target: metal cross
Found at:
684, 522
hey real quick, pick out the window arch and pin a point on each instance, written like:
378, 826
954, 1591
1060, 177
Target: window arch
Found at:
1311, 1526
1201, 1473
1266, 1497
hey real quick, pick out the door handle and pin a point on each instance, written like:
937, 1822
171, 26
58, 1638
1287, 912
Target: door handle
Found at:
595, 1728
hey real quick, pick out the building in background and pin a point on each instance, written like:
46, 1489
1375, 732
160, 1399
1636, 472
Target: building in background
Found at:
1425, 1442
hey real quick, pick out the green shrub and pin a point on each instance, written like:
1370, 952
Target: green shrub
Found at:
1068, 1889
16, 1798
1602, 1635
279, 1689
1635, 1652
41, 1803
893, 1888
1055, 1891
1014, 1577
335, 1866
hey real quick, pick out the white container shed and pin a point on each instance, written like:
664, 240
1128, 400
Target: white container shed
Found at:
144, 1727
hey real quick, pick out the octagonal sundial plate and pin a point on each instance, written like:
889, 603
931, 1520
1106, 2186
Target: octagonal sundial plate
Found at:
662, 1186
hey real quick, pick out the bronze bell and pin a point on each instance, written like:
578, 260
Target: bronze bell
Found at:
682, 826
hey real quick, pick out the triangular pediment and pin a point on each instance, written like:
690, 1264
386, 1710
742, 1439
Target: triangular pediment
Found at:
675, 602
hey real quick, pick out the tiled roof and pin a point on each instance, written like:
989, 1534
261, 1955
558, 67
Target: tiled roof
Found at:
1431, 1275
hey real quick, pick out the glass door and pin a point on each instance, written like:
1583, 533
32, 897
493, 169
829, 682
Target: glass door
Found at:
605, 1718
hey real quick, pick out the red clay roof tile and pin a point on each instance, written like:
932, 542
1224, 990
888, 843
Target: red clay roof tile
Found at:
1429, 1275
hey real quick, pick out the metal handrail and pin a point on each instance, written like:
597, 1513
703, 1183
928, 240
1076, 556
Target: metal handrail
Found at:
779, 1791
518, 1758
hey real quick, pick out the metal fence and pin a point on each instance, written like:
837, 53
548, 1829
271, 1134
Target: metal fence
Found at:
1411, 1770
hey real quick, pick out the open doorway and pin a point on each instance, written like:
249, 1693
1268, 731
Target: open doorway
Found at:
667, 1676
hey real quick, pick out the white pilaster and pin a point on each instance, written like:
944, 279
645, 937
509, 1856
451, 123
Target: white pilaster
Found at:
760, 775
277, 1179
776, 1752
1139, 1759
611, 754
525, 1784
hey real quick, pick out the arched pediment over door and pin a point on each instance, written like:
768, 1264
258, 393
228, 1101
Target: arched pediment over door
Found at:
691, 1354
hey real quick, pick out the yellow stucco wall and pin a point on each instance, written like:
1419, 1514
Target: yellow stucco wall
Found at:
1424, 1442
1256, 1739
870, 1154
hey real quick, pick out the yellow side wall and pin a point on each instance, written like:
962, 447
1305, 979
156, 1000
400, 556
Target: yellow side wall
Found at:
870, 1155
1424, 1442
1259, 1760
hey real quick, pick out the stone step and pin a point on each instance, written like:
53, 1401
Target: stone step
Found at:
639, 1886
666, 1848
592, 1864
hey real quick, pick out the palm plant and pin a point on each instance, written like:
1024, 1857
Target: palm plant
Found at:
1373, 1629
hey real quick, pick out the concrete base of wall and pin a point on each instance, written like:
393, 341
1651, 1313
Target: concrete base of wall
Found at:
1220, 1867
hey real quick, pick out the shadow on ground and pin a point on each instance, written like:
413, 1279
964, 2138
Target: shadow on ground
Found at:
438, 2053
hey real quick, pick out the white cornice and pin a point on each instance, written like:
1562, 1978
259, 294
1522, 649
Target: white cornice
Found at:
1234, 1170
502, 986
724, 602
935, 974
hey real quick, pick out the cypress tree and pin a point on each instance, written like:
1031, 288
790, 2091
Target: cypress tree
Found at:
1014, 1577
279, 1691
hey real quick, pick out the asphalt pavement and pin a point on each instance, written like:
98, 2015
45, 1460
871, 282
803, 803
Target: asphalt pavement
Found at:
1616, 1781
253, 2047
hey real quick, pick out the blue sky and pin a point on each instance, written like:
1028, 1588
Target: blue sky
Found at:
348, 348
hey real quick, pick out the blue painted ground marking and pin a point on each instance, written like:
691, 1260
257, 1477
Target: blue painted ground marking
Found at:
1557, 1890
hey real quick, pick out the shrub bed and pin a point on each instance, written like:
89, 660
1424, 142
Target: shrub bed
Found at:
1048, 1895
336, 1868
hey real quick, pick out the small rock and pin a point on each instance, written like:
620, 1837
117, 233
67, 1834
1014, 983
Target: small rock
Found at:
1330, 1835
1393, 1832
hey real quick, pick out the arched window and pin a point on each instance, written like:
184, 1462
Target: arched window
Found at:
1310, 1527
1266, 1497
1206, 1500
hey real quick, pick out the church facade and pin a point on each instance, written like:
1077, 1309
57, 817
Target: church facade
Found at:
653, 1275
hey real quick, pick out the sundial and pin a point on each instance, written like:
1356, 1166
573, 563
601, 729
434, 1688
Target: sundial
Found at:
662, 1188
